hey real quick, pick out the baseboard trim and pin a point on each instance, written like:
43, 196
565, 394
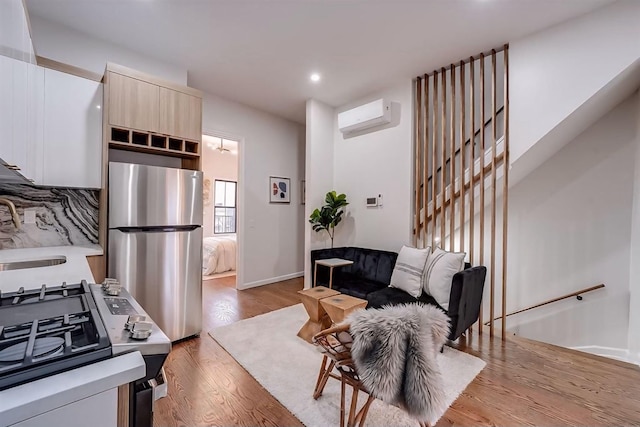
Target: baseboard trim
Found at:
270, 280
621, 354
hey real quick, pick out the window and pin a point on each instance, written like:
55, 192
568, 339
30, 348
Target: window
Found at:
224, 214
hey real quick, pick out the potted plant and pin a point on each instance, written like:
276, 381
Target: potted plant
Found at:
328, 216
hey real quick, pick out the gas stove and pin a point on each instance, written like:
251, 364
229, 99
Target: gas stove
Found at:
49, 330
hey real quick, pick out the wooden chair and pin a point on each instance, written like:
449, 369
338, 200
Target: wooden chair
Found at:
335, 343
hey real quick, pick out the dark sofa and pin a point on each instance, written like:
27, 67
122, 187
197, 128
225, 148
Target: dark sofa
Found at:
370, 274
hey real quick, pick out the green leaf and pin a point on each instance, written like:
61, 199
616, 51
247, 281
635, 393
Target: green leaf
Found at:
328, 216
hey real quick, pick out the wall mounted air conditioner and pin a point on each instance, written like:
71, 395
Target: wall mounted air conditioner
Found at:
374, 113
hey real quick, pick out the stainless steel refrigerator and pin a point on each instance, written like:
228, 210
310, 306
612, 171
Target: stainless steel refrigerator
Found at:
155, 242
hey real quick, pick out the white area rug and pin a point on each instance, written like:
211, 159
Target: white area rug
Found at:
268, 348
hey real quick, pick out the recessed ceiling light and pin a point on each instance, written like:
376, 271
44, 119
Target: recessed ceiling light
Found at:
315, 77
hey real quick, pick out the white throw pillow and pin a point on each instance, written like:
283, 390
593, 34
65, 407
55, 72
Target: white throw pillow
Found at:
408, 272
439, 271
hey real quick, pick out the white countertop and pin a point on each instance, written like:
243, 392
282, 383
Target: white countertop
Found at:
73, 271
37, 397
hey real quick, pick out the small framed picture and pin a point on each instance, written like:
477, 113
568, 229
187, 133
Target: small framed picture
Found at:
279, 189
303, 192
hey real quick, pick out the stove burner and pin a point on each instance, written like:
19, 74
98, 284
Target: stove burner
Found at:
47, 346
49, 330
36, 299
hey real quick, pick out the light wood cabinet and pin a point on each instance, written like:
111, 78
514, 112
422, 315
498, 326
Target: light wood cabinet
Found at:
97, 264
180, 114
150, 115
133, 103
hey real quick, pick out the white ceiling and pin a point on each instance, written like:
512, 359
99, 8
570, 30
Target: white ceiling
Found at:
261, 52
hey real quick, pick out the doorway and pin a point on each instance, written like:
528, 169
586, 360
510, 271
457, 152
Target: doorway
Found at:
220, 216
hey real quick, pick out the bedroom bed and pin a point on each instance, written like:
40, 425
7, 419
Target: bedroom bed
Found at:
218, 254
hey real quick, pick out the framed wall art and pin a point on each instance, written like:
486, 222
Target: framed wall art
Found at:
279, 189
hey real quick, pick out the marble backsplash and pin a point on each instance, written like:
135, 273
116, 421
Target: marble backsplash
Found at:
64, 216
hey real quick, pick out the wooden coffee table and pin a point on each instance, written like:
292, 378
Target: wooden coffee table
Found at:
318, 319
340, 306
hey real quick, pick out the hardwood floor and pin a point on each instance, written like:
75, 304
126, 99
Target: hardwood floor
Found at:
524, 383
207, 387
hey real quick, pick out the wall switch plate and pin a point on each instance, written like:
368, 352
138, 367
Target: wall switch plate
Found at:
29, 216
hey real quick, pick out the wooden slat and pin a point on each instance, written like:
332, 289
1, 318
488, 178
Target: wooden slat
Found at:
494, 172
427, 154
482, 153
505, 189
452, 160
443, 140
417, 117
463, 150
472, 185
434, 133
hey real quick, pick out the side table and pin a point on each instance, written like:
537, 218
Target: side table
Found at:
331, 263
318, 319
340, 306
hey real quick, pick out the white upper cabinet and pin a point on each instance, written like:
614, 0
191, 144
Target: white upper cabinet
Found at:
50, 125
72, 145
22, 88
15, 39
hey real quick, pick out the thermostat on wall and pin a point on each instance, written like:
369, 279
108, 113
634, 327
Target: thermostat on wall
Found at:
374, 201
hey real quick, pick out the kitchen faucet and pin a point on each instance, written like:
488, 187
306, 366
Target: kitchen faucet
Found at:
12, 209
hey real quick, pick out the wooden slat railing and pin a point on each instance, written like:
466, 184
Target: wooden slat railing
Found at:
445, 170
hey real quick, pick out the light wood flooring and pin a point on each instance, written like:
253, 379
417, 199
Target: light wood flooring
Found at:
524, 383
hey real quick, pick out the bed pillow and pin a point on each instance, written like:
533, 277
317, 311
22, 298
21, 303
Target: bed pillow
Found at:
409, 269
439, 271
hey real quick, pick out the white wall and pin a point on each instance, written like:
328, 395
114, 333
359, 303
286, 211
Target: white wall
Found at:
634, 282
319, 174
64, 44
216, 165
270, 236
556, 71
598, 320
377, 162
570, 228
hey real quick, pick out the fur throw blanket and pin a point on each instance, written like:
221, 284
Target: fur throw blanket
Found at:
394, 350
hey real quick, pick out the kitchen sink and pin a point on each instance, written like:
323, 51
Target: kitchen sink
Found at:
34, 263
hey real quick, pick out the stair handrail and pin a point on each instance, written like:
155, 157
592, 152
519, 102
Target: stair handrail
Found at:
577, 294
